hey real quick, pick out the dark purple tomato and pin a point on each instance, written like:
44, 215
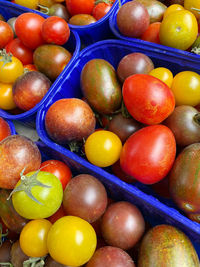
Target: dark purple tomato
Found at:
110, 257
122, 225
5, 251
29, 89
132, 64
85, 197
82, 19
133, 19
59, 10
185, 125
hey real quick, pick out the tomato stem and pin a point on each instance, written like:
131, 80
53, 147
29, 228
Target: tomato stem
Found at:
1, 234
6, 264
120, 3
195, 9
109, 2
44, 9
6, 57
75, 146
196, 50
34, 262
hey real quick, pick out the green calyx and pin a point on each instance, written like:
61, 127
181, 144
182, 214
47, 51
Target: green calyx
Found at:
27, 183
31, 262
5, 57
103, 1
196, 50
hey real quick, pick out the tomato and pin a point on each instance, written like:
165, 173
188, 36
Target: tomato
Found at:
48, 198
79, 6
103, 148
55, 30
59, 169
10, 69
100, 10
20, 51
171, 9
28, 29
191, 5
186, 88
147, 98
33, 238
57, 215
152, 33
4, 129
149, 153
30, 3
29, 67
46, 3
163, 74
82, 19
71, 241
6, 34
6, 96
179, 30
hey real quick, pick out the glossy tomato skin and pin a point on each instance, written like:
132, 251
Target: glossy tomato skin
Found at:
6, 34
147, 98
100, 10
82, 19
152, 33
149, 153
28, 28
59, 169
79, 6
4, 129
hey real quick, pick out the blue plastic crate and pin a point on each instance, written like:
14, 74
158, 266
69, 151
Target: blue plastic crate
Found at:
8, 10
113, 51
114, 28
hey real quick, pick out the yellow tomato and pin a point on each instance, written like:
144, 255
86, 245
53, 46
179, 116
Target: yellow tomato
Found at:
47, 3
6, 96
28, 3
179, 29
171, 9
186, 88
163, 74
192, 5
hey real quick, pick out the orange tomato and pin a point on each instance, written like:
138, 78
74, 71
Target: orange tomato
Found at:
152, 33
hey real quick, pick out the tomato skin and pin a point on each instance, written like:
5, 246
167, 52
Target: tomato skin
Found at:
20, 51
57, 215
30, 67
59, 169
4, 129
33, 238
163, 74
28, 29
79, 6
152, 33
6, 96
147, 98
100, 10
6, 34
30, 3
149, 153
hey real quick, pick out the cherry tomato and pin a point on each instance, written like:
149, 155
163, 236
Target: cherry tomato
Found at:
190, 4
163, 74
47, 3
28, 3
186, 88
172, 8
59, 169
4, 129
82, 19
103, 148
100, 10
152, 33
20, 51
6, 34
33, 238
6, 96
30, 67
55, 30
28, 29
79, 6
57, 215
71, 241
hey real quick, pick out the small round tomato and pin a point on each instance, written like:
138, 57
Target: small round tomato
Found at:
172, 8
6, 34
4, 129
186, 88
179, 30
29, 67
71, 241
103, 148
192, 5
163, 74
33, 238
6, 96
79, 6
100, 10
30, 3
82, 19
59, 169
152, 33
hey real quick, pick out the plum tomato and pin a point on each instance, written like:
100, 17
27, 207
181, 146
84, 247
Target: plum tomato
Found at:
103, 148
71, 241
59, 169
6, 96
55, 30
79, 6
148, 99
33, 238
148, 154
163, 74
6, 34
4, 129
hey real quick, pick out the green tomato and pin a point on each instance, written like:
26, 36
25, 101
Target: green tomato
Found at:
37, 195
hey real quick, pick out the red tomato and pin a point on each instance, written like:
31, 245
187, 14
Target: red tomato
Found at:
30, 67
100, 10
148, 99
6, 34
57, 215
19, 50
59, 169
149, 153
4, 129
55, 30
80, 6
152, 33
28, 28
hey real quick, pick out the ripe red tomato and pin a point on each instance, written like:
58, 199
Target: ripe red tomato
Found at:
20, 51
6, 34
149, 153
148, 99
55, 30
4, 129
80, 6
30, 67
59, 169
100, 10
28, 28
152, 33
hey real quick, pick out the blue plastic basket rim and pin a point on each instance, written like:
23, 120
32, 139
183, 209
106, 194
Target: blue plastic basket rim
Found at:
54, 84
12, 127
